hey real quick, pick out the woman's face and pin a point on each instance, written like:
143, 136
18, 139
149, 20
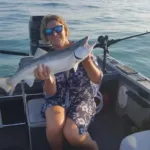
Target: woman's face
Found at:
57, 39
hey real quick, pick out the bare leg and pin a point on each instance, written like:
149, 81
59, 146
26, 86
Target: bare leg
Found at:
55, 118
76, 139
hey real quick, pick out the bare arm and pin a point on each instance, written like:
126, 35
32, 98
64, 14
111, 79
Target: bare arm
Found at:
50, 87
94, 73
43, 73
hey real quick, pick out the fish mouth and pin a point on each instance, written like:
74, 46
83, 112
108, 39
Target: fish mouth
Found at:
83, 45
86, 39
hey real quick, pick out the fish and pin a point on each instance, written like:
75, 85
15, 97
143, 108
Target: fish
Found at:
58, 61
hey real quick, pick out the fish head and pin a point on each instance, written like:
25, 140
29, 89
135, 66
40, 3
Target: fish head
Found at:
82, 51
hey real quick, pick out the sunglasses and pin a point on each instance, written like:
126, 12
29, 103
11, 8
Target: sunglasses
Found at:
57, 29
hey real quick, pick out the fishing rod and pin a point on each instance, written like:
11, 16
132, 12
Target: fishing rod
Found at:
14, 53
104, 43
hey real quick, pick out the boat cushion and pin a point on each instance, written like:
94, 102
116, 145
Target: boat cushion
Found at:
34, 107
136, 141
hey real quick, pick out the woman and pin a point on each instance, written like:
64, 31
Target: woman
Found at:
69, 98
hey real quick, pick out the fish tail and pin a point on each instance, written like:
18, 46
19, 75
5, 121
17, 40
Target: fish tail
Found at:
5, 86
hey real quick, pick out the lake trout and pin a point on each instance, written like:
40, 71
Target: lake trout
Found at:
57, 61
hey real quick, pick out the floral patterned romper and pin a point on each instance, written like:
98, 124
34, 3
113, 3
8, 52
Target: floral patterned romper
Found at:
75, 92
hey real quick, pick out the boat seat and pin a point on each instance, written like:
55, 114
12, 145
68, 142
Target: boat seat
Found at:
33, 110
136, 141
34, 117
34, 106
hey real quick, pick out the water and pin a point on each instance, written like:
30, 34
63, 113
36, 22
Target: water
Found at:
114, 18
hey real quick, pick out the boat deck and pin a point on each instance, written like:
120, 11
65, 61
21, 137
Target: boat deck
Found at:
107, 130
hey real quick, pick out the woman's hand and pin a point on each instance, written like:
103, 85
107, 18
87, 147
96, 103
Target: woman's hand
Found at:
42, 72
87, 59
92, 70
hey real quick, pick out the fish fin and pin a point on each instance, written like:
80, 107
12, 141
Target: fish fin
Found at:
30, 80
75, 67
25, 61
12, 90
6, 87
39, 52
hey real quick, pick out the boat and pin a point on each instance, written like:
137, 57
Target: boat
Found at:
125, 109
